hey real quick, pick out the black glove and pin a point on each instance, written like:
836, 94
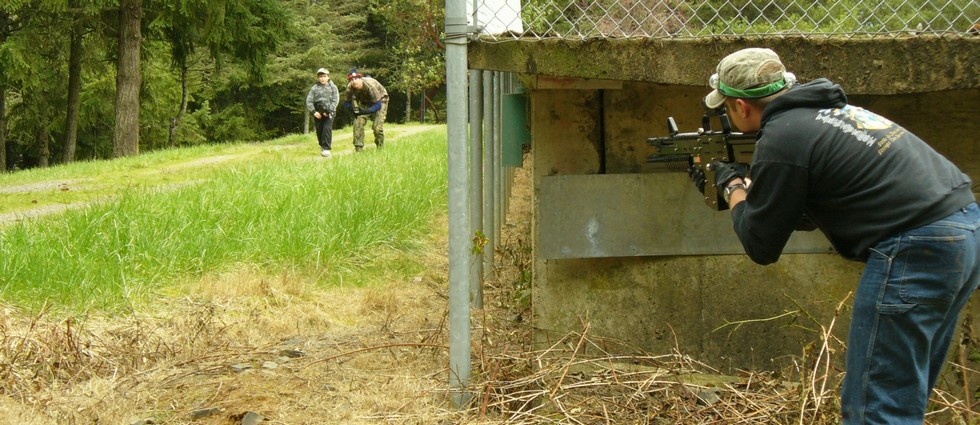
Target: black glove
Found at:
697, 176
725, 172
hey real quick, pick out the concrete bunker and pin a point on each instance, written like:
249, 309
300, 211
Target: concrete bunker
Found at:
638, 255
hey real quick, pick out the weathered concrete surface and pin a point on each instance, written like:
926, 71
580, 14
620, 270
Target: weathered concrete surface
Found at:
694, 305
617, 215
594, 104
913, 64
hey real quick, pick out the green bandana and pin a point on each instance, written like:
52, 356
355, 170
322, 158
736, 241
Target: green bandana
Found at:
752, 93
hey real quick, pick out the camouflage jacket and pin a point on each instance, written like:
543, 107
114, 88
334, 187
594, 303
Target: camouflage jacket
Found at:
323, 98
369, 94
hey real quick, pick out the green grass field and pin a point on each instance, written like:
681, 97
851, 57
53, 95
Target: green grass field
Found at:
152, 221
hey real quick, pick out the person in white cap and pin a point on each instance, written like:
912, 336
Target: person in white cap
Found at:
321, 102
882, 196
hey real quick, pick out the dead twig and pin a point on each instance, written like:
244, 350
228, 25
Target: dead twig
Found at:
376, 347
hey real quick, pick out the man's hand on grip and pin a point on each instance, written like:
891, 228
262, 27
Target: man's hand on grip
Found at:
725, 172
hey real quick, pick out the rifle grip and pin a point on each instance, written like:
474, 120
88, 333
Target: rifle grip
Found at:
714, 196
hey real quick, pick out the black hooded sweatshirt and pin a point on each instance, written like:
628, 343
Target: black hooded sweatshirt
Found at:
856, 175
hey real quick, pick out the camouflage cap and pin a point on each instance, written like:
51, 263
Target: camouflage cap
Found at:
322, 71
748, 74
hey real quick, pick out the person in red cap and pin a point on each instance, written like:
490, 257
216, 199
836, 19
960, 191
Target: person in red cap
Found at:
881, 196
366, 97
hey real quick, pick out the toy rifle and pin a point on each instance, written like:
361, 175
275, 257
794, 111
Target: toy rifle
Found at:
690, 152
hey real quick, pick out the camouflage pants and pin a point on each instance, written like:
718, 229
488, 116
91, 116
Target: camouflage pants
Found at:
379, 127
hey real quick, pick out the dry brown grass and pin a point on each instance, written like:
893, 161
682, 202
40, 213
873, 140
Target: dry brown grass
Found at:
351, 355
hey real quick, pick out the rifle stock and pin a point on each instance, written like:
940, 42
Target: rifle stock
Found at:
685, 152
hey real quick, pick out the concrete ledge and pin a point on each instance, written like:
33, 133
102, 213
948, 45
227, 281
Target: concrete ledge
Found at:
875, 66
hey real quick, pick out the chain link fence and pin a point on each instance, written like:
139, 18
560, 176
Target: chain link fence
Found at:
501, 20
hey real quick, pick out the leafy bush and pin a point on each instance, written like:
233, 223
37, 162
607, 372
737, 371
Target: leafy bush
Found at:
843, 16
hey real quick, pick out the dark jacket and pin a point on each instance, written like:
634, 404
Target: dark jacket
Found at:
858, 176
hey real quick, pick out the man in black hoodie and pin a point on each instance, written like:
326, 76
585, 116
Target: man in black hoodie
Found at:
882, 196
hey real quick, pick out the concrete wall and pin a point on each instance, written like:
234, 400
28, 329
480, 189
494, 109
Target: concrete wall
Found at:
880, 65
593, 119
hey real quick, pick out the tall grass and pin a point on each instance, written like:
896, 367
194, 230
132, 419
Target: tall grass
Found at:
320, 215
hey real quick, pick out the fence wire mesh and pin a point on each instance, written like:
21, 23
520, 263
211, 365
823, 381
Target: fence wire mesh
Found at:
499, 20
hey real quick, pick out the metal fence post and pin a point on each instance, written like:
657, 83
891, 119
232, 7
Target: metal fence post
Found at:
476, 185
459, 225
489, 170
497, 155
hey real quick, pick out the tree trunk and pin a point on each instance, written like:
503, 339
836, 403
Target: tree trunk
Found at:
44, 150
126, 137
432, 105
74, 92
408, 106
175, 122
3, 128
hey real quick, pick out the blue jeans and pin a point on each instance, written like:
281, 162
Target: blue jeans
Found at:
905, 314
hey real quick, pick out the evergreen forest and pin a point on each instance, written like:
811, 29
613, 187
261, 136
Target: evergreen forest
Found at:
96, 79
